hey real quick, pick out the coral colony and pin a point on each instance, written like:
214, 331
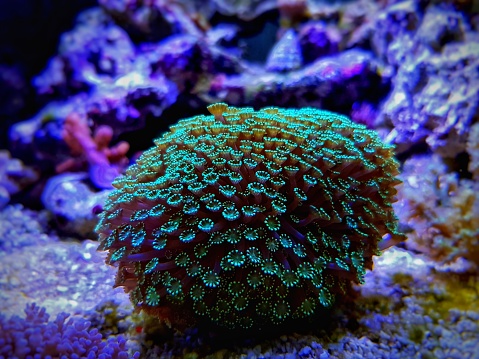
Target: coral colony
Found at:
249, 217
73, 338
239, 166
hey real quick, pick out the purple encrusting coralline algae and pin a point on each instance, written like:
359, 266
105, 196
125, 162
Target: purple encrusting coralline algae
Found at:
14, 176
61, 275
36, 337
20, 227
435, 94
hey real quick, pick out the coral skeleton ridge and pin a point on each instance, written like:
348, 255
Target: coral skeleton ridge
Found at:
247, 218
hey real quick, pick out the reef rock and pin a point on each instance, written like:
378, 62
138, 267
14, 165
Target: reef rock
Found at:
435, 96
334, 83
73, 203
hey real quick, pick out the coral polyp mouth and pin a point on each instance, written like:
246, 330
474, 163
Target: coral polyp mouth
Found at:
246, 218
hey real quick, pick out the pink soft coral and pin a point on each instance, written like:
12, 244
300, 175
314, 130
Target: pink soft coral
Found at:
92, 151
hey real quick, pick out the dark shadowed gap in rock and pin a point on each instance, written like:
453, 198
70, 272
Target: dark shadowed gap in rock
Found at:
257, 36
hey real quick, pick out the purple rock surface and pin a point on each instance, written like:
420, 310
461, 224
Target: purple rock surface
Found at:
334, 82
317, 40
435, 90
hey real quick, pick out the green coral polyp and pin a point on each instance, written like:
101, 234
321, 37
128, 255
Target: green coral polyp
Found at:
206, 224
248, 218
152, 298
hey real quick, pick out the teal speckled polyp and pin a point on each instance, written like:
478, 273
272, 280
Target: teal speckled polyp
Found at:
247, 218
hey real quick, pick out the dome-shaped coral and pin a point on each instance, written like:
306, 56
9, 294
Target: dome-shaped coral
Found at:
251, 217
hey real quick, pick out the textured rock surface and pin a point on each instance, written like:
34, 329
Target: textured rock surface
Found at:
73, 203
441, 210
435, 92
334, 82
14, 176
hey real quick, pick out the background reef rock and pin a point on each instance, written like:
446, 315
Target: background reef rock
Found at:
85, 87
